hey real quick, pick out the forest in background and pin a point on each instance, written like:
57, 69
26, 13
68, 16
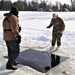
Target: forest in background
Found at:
34, 5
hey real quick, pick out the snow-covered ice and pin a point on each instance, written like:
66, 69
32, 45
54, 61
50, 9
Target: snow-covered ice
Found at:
35, 35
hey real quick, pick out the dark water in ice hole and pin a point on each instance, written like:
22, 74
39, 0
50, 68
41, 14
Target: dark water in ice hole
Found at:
38, 60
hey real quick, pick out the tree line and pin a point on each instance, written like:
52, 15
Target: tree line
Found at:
36, 6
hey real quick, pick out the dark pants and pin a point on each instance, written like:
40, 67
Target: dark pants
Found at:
13, 51
56, 37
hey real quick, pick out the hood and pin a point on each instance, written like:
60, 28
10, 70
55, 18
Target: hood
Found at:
7, 15
14, 11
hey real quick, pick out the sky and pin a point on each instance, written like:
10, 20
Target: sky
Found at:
53, 1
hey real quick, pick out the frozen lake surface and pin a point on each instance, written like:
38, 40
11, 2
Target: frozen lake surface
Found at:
35, 35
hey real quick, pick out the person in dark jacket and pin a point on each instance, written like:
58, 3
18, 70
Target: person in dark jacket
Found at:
12, 36
58, 29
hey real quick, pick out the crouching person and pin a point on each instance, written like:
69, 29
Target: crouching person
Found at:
12, 37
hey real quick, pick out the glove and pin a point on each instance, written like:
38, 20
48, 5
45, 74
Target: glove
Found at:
62, 31
18, 39
20, 28
47, 27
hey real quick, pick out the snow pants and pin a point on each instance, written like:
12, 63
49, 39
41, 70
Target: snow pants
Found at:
13, 51
56, 37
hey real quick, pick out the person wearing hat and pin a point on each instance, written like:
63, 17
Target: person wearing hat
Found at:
12, 37
58, 29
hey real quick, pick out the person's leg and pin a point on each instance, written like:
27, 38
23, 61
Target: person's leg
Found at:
53, 39
59, 41
59, 35
9, 49
15, 52
9, 53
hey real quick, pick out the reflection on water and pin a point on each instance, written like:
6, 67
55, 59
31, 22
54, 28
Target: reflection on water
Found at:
55, 60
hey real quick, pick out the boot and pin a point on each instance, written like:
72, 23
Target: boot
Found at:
15, 63
52, 48
58, 48
11, 68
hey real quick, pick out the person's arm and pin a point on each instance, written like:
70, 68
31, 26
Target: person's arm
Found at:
51, 24
14, 25
62, 25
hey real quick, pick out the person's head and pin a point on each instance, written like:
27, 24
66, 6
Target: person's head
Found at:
14, 11
55, 16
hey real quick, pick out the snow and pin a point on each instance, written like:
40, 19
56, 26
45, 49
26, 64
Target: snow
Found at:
34, 26
35, 35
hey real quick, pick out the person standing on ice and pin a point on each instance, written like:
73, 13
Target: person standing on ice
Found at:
12, 37
58, 29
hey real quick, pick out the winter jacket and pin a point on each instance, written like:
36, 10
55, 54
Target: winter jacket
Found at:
58, 25
10, 27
